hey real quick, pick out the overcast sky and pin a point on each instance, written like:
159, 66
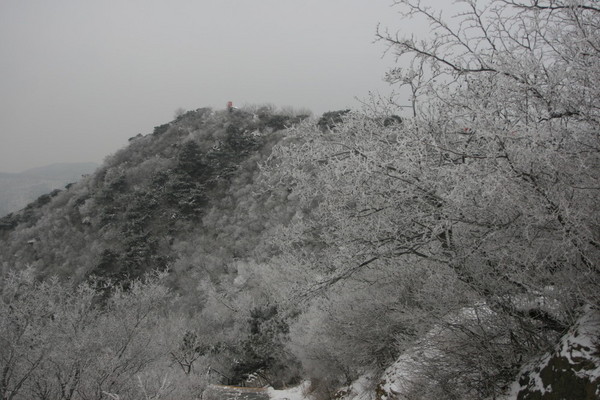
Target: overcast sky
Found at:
78, 78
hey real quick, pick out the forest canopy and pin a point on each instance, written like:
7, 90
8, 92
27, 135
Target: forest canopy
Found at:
485, 199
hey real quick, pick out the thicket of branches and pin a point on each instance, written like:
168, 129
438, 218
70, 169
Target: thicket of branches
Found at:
94, 342
485, 199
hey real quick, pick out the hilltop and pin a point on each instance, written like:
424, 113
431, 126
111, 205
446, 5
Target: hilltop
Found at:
138, 209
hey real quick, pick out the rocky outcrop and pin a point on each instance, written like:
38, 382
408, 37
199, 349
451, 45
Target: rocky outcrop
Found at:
572, 371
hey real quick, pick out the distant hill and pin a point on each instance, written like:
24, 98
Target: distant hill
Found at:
62, 171
19, 189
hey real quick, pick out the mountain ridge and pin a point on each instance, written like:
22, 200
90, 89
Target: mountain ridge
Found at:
129, 213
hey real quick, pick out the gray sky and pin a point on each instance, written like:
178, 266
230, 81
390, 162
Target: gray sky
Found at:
78, 78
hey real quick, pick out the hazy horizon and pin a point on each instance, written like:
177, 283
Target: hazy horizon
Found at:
78, 78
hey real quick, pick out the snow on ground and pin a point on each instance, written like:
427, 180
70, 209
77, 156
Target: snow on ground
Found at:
295, 393
361, 389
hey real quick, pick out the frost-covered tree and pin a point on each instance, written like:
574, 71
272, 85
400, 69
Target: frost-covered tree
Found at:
493, 181
60, 342
514, 128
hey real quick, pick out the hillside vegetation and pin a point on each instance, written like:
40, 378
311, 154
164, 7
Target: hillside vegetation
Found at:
452, 254
136, 212
181, 201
